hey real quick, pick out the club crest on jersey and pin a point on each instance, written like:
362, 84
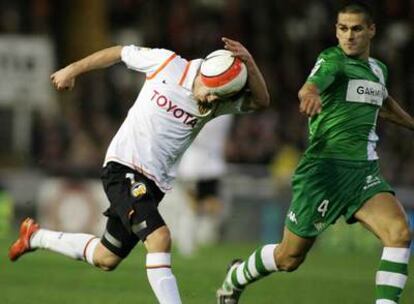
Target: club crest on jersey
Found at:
138, 189
165, 103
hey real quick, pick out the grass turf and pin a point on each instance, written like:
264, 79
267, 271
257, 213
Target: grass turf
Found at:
327, 277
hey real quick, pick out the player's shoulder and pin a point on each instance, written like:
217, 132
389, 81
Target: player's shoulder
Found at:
332, 54
133, 51
381, 64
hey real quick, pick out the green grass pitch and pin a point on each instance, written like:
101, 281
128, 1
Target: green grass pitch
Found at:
326, 277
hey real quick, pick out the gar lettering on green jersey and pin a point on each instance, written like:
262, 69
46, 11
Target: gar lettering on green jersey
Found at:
352, 92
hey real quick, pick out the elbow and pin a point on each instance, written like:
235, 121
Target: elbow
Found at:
262, 103
265, 100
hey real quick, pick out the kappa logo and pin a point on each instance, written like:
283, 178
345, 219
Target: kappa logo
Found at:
178, 113
292, 217
371, 181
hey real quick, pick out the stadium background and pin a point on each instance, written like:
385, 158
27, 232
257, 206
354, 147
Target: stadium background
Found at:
52, 145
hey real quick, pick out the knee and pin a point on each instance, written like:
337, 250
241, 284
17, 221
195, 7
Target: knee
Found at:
398, 235
289, 262
159, 240
107, 264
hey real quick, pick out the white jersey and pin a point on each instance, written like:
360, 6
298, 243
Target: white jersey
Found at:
165, 117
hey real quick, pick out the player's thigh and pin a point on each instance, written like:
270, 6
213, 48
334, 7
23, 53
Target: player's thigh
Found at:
384, 215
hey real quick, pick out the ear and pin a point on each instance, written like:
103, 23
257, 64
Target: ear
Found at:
336, 30
372, 30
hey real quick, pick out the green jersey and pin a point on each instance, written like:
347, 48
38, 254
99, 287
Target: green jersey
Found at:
352, 92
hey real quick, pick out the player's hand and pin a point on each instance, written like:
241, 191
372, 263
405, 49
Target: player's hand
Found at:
237, 49
310, 105
63, 80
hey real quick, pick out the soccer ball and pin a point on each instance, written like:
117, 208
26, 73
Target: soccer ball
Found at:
223, 73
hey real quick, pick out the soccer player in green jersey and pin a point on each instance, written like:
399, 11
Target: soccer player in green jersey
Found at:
339, 173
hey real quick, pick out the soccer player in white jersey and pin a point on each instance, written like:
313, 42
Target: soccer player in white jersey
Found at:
171, 108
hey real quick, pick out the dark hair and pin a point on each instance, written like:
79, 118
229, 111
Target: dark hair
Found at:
358, 7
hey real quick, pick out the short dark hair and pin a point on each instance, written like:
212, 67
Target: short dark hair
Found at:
358, 7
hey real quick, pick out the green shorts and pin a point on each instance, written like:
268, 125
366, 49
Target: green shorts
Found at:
325, 189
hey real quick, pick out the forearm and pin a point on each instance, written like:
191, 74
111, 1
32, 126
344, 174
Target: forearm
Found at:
394, 113
97, 60
259, 94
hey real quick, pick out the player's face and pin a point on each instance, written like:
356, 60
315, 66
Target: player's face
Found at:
354, 34
202, 93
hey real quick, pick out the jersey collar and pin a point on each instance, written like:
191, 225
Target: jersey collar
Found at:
191, 74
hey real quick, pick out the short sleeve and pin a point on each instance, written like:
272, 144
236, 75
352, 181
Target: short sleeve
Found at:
324, 73
145, 60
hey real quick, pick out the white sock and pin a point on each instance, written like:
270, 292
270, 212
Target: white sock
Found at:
161, 278
78, 246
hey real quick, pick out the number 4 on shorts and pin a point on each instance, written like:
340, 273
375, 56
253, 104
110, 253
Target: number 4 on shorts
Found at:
323, 207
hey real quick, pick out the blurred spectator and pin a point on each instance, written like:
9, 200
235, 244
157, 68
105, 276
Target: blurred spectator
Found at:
200, 173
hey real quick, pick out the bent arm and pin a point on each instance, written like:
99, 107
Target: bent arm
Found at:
65, 78
393, 112
259, 97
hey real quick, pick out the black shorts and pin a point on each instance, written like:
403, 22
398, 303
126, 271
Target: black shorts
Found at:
133, 212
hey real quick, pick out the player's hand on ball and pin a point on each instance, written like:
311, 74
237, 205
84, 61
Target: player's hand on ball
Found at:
237, 49
62, 80
310, 105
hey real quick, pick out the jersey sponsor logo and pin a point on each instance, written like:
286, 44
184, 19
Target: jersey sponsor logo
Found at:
371, 181
365, 91
292, 217
167, 104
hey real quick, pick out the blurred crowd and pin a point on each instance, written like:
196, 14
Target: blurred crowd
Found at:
285, 38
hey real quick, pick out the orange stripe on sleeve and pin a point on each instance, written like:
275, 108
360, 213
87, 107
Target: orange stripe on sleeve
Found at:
166, 62
184, 74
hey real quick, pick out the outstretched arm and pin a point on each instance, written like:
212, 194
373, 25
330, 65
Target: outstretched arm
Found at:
392, 111
64, 79
260, 95
310, 100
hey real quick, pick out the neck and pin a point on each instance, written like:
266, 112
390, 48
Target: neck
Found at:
365, 55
